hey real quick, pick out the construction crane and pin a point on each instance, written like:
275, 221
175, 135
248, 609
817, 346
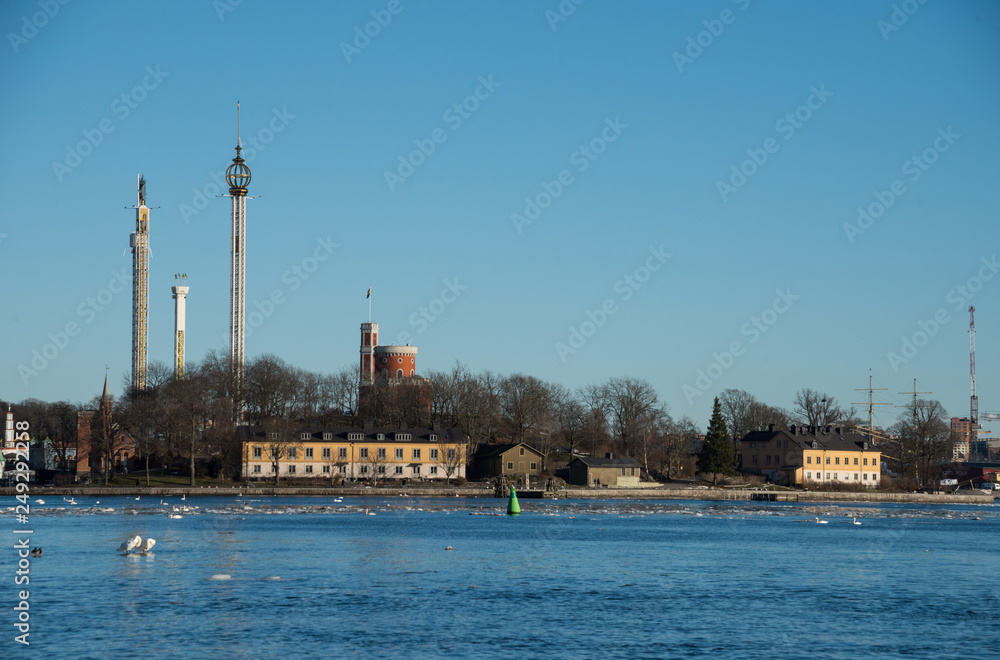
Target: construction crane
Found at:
974, 400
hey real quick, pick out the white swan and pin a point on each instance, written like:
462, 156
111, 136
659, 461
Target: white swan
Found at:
855, 521
149, 545
822, 522
39, 501
130, 544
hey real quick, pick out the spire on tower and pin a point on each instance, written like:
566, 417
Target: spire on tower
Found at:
107, 392
238, 174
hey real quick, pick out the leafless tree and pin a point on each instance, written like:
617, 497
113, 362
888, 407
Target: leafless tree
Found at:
451, 457
816, 409
280, 439
625, 402
188, 410
524, 405
922, 438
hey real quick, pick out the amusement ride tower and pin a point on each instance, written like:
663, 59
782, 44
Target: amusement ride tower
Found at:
238, 177
139, 242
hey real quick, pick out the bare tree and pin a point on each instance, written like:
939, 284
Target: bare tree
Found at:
188, 408
922, 438
625, 402
738, 409
653, 427
451, 458
570, 418
280, 441
816, 409
524, 405
343, 388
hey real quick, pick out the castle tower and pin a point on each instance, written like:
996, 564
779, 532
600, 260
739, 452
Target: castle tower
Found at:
139, 243
238, 178
180, 298
396, 361
369, 340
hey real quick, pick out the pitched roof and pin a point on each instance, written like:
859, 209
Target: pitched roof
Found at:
829, 440
487, 451
371, 434
594, 461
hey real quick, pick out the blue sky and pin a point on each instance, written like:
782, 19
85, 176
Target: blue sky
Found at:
645, 109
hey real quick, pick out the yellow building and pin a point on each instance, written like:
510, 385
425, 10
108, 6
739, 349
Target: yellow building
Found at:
805, 455
354, 453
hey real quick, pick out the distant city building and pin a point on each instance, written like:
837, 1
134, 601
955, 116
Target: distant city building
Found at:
960, 438
805, 455
354, 453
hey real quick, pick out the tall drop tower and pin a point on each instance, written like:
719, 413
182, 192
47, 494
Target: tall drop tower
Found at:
139, 242
180, 297
238, 177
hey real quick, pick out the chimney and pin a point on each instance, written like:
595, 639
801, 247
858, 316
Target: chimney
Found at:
828, 427
368, 425
609, 455
770, 427
436, 426
838, 430
402, 424
792, 428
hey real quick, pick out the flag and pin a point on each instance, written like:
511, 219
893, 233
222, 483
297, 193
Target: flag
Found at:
369, 294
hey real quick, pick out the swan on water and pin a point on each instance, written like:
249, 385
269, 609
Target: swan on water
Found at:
39, 501
149, 545
822, 522
130, 544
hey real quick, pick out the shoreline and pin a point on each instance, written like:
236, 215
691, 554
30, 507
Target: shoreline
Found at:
569, 493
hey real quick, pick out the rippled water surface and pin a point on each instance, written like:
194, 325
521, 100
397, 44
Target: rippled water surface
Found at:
317, 577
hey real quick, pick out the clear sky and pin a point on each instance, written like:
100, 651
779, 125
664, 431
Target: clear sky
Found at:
604, 189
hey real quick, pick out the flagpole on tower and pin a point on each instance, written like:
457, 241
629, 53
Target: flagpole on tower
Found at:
369, 304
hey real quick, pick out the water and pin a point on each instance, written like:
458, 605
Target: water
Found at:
313, 577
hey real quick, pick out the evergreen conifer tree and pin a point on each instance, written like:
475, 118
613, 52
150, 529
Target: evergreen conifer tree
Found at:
717, 453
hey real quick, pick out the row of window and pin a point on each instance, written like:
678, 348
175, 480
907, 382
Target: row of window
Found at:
819, 475
777, 444
415, 454
356, 437
510, 465
767, 461
342, 469
809, 460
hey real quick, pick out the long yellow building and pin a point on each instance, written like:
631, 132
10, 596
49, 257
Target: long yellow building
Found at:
353, 453
804, 455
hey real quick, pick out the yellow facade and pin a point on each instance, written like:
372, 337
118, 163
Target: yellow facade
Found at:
856, 467
794, 459
358, 460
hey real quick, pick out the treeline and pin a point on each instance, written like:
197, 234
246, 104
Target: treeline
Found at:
194, 417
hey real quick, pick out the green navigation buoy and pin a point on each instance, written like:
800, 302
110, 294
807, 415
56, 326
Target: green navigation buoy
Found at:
513, 508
